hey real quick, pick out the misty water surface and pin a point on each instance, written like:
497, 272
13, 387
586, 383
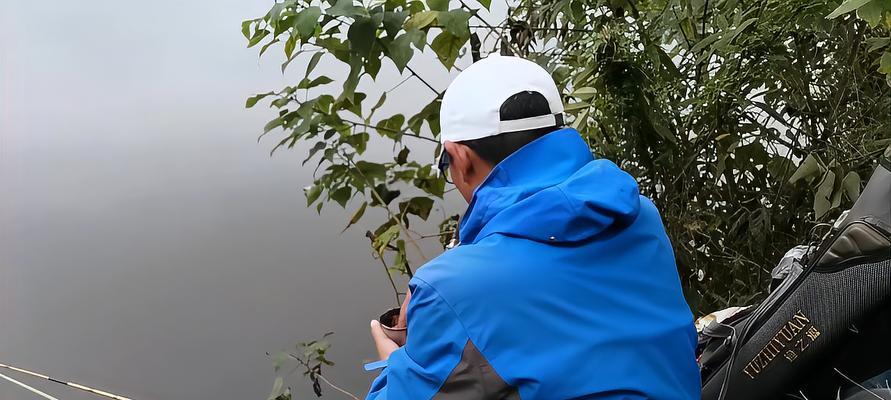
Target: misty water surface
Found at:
148, 244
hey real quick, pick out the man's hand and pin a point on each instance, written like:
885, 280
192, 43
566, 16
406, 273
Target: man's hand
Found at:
384, 345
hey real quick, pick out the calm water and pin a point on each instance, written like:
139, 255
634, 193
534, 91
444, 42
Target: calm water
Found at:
148, 245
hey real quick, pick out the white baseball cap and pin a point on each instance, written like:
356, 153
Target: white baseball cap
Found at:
472, 103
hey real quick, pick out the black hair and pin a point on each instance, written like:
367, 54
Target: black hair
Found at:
526, 104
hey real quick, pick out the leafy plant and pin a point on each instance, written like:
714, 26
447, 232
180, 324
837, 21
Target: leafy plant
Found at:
746, 122
310, 358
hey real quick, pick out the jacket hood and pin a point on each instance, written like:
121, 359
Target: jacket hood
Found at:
552, 190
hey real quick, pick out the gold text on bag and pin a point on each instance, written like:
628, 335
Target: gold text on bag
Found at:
791, 341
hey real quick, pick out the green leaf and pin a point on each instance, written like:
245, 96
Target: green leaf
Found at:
727, 39
419, 206
485, 3
851, 184
400, 262
373, 62
878, 43
280, 102
288, 61
352, 80
584, 92
313, 62
846, 7
359, 141
279, 360
434, 185
275, 123
354, 105
837, 194
338, 48
306, 21
393, 21
885, 63
402, 157
420, 20
290, 45
576, 106
266, 46
770, 111
390, 5
809, 167
306, 83
377, 14
246, 28
274, 14
708, 40
356, 216
385, 194
380, 102
822, 197
384, 238
252, 101
391, 127
429, 113
438, 5
276, 388
258, 36
872, 13
400, 51
447, 46
341, 195
312, 194
372, 171
668, 63
581, 119
346, 8
456, 22
417, 38
319, 146
361, 35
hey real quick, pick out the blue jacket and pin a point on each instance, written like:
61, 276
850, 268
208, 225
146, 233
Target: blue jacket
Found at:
564, 286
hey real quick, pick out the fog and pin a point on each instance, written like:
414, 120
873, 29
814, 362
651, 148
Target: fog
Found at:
149, 246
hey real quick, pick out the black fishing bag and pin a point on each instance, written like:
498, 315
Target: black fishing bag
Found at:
824, 331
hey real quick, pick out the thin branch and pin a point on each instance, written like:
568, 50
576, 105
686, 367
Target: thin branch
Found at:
531, 28
322, 377
415, 74
398, 85
440, 234
387, 271
402, 132
335, 387
390, 214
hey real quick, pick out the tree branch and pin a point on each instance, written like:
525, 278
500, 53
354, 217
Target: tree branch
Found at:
401, 132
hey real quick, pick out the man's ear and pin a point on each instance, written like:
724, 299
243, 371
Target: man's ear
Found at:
461, 160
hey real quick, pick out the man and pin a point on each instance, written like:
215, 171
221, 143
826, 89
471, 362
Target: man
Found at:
564, 284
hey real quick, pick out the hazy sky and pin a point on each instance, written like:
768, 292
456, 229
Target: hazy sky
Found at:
148, 244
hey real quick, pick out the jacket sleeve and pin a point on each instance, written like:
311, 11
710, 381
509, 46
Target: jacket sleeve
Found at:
436, 339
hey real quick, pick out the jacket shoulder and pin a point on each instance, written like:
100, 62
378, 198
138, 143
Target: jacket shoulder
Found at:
459, 273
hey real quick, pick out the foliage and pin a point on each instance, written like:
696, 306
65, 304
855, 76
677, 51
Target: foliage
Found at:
711, 105
310, 359
746, 122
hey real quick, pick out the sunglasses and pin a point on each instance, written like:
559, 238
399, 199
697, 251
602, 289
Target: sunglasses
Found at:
444, 161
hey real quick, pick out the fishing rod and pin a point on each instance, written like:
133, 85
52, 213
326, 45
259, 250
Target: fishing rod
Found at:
69, 384
29, 388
